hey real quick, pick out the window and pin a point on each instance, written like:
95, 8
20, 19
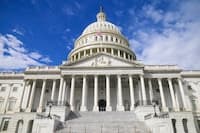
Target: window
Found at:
106, 38
15, 89
101, 38
174, 125
4, 124
111, 39
184, 121
198, 123
3, 89
95, 38
11, 105
1, 103
116, 40
19, 127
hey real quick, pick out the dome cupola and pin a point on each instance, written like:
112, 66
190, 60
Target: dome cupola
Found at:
101, 37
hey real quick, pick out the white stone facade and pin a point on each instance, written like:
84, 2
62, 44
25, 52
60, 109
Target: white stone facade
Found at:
101, 75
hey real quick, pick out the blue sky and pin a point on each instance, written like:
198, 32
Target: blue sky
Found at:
36, 32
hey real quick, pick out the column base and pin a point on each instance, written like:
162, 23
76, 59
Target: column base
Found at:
176, 109
28, 110
39, 109
83, 108
72, 108
18, 109
165, 109
95, 109
108, 108
120, 108
132, 108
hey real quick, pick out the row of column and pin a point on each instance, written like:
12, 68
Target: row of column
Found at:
32, 94
120, 106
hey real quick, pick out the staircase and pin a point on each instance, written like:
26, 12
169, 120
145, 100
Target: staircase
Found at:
103, 122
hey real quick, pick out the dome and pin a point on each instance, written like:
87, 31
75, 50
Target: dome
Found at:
101, 36
101, 26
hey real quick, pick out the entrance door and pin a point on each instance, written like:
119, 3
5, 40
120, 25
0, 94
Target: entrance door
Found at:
102, 105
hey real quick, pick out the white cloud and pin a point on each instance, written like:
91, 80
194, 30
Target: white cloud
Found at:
13, 54
152, 13
177, 42
17, 31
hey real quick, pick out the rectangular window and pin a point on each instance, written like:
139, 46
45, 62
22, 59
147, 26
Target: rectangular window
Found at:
1, 104
11, 105
14, 89
4, 124
198, 122
3, 89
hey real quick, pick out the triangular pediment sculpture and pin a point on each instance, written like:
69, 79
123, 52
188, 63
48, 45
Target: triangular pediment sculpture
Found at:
104, 60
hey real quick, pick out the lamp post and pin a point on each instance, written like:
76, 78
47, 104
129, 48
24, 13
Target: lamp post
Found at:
49, 104
154, 107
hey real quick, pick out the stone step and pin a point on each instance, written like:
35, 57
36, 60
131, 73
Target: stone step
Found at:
103, 116
117, 127
103, 122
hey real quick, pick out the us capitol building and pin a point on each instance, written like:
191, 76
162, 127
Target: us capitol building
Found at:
100, 88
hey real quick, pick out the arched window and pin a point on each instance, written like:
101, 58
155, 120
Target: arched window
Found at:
106, 38
30, 126
111, 39
19, 128
174, 125
95, 38
101, 38
116, 40
184, 121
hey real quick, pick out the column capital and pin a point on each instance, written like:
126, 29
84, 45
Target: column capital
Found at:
73, 75
107, 75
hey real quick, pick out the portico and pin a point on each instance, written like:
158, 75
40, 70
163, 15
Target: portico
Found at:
121, 92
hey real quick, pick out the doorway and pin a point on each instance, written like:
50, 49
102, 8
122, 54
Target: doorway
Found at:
102, 105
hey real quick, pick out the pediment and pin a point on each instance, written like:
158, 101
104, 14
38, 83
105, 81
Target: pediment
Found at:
104, 60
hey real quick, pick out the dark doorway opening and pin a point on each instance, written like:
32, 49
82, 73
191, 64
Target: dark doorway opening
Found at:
102, 105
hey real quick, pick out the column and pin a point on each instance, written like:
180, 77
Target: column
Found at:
120, 106
60, 90
84, 89
150, 90
95, 108
144, 98
118, 53
53, 90
42, 96
124, 55
172, 94
108, 107
64, 96
112, 51
131, 92
182, 93
90, 52
22, 96
31, 97
72, 93
79, 55
162, 95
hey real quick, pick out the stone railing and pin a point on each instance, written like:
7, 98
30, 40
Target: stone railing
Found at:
11, 73
43, 116
161, 67
42, 68
161, 115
